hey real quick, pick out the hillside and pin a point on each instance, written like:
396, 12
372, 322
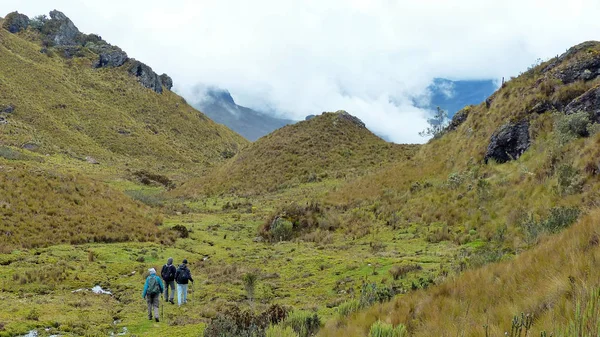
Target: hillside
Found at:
503, 177
65, 92
330, 146
76, 114
219, 106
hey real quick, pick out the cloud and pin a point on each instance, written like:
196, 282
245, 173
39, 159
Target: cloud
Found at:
301, 57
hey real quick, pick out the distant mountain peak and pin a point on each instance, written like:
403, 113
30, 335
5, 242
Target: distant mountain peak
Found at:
219, 95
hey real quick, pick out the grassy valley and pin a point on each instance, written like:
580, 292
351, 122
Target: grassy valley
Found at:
319, 228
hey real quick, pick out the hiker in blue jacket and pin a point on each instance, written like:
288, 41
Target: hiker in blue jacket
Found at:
152, 291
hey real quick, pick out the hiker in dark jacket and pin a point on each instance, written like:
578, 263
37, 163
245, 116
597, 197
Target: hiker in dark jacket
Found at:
168, 275
182, 276
152, 291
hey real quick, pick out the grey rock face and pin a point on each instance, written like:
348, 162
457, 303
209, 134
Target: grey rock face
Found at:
583, 70
63, 30
541, 107
589, 102
166, 81
509, 142
15, 22
147, 77
459, 118
109, 56
345, 115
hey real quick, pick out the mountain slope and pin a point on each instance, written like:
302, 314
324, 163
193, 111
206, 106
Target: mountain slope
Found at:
61, 100
332, 145
503, 177
221, 108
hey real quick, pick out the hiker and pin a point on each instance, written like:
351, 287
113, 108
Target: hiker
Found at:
168, 275
152, 291
182, 276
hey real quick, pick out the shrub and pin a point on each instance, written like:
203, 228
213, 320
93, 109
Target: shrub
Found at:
398, 272
150, 198
38, 22
371, 293
304, 323
380, 329
347, 308
572, 126
235, 322
569, 180
249, 280
559, 218
281, 230
279, 331
301, 219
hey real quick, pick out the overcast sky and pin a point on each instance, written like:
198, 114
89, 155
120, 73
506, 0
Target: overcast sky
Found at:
303, 57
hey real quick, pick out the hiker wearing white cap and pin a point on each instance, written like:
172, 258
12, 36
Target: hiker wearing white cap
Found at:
152, 291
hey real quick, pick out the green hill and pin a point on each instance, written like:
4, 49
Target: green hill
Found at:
75, 113
69, 99
506, 175
330, 146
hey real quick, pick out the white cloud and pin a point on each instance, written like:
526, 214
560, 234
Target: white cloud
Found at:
301, 57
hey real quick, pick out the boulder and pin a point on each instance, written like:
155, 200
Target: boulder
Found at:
309, 117
166, 81
147, 77
541, 107
7, 109
459, 118
509, 142
61, 31
589, 102
111, 58
3, 120
15, 22
91, 160
353, 119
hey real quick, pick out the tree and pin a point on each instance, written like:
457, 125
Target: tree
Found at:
437, 124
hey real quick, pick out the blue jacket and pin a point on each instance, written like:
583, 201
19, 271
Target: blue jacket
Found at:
160, 285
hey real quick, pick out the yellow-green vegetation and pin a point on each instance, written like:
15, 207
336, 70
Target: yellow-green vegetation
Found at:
65, 106
40, 208
330, 146
318, 226
555, 283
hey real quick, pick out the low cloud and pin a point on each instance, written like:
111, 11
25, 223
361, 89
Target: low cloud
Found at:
296, 58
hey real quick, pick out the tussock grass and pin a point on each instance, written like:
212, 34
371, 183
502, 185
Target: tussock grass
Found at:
328, 146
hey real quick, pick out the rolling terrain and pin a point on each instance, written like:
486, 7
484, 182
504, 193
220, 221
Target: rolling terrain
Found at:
319, 228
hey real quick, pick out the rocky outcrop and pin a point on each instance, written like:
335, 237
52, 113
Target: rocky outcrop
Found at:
109, 56
353, 119
146, 76
509, 142
459, 118
166, 81
61, 30
589, 102
541, 107
15, 22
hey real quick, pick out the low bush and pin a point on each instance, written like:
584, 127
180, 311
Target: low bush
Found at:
400, 271
279, 331
304, 323
380, 329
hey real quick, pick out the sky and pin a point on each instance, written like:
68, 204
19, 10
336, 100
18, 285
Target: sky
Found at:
300, 57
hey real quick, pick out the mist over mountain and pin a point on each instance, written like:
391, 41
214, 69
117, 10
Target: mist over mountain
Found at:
449, 95
251, 124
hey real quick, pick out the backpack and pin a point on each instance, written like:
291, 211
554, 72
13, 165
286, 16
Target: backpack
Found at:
166, 273
182, 275
153, 287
